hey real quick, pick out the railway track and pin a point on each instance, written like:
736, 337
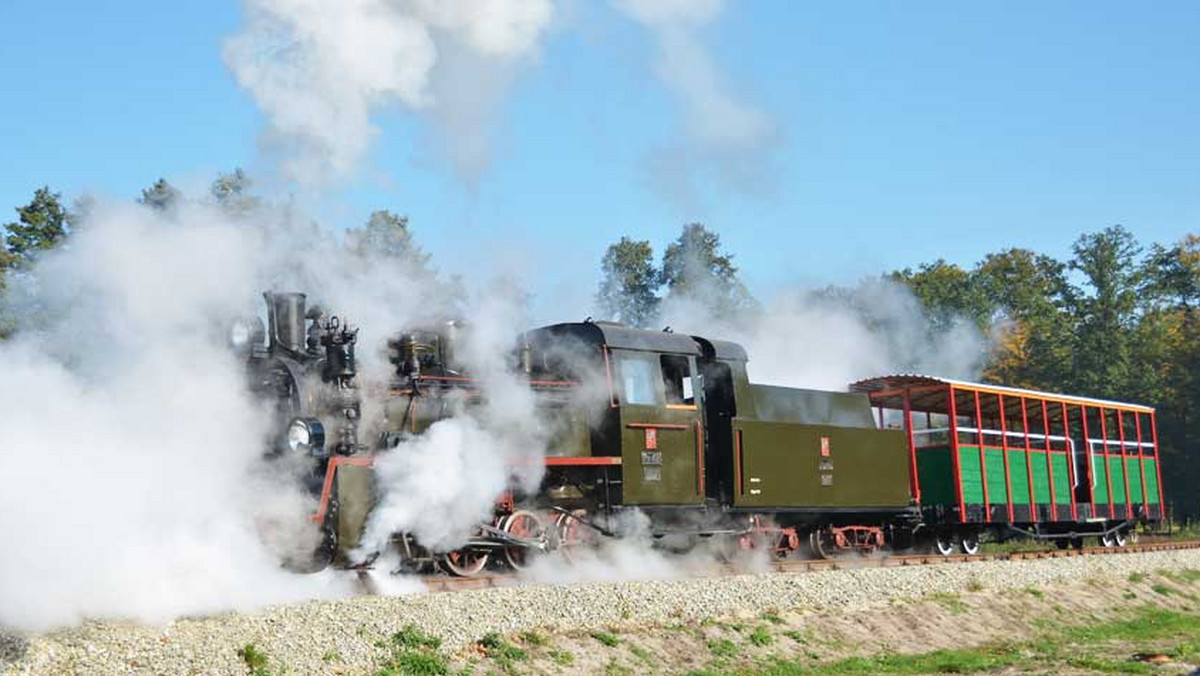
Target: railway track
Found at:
443, 583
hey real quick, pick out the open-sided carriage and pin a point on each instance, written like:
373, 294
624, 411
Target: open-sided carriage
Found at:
1051, 466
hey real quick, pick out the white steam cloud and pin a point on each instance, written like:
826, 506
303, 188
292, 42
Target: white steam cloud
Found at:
726, 135
320, 70
440, 485
134, 454
829, 339
129, 447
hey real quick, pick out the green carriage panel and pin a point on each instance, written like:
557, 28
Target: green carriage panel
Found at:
997, 486
1135, 481
1041, 478
1062, 478
1151, 480
1100, 477
1118, 480
1019, 477
936, 474
972, 480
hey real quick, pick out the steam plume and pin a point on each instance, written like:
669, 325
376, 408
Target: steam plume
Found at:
725, 134
319, 70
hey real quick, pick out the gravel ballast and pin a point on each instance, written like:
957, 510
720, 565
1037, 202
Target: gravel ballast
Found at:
340, 637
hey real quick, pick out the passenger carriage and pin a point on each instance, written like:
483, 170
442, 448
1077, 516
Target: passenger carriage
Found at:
1000, 459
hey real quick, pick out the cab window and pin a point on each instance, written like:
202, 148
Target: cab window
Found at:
677, 380
638, 381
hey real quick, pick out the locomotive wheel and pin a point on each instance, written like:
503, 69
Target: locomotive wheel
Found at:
1064, 543
1120, 539
943, 544
526, 525
820, 544
1132, 536
969, 543
1108, 540
464, 562
573, 537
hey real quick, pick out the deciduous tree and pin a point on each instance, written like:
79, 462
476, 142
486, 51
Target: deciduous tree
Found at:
629, 282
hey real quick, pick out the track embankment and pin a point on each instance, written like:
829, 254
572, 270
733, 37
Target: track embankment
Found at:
356, 636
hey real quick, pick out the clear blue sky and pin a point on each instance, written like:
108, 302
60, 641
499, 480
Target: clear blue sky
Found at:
910, 131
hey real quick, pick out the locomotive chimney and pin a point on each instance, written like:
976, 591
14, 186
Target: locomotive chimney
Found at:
285, 321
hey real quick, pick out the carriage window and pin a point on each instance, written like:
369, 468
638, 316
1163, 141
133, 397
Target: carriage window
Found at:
637, 379
677, 378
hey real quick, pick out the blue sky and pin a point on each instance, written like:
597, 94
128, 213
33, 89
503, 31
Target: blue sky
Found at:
908, 132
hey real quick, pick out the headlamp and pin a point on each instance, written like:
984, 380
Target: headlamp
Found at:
306, 435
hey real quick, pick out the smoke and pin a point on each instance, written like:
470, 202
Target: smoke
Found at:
320, 70
440, 485
726, 136
129, 446
826, 339
134, 454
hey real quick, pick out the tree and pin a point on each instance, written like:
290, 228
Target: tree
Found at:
1105, 318
40, 226
232, 192
628, 288
162, 196
695, 268
1030, 296
386, 235
948, 293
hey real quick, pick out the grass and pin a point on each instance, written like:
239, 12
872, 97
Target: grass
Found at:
412, 638
641, 653
772, 617
1035, 593
606, 638
331, 656
722, 648
796, 636
495, 647
1103, 647
1137, 578
413, 653
974, 585
256, 660
416, 663
761, 637
563, 658
533, 639
951, 602
1161, 589
1187, 575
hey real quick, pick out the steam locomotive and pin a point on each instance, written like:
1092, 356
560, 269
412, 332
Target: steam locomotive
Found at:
671, 426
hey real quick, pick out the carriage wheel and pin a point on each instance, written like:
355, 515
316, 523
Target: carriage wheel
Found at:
573, 536
464, 562
969, 543
943, 544
526, 525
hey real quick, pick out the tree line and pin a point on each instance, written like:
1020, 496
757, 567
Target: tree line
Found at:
1116, 320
